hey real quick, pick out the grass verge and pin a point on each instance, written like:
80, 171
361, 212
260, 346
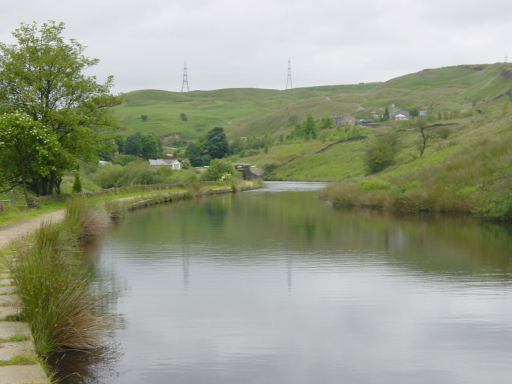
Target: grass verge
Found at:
20, 360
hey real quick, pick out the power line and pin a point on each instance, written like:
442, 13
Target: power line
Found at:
185, 85
289, 77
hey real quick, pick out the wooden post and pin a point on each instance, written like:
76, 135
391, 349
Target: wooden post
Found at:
11, 196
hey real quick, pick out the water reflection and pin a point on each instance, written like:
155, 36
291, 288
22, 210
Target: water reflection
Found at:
280, 288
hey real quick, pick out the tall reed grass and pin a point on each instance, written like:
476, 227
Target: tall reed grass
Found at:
55, 284
84, 218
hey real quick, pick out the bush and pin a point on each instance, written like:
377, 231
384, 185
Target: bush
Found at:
185, 164
83, 218
381, 153
77, 185
443, 132
139, 172
497, 201
124, 159
217, 169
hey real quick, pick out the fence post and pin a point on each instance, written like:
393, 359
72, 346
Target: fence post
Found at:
11, 196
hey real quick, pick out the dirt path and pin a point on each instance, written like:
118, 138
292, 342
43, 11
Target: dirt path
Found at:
19, 229
11, 232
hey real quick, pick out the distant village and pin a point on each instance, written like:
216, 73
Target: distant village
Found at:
395, 114
167, 161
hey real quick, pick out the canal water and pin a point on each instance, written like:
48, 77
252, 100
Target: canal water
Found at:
276, 286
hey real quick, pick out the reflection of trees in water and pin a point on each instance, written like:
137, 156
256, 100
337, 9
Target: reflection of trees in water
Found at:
301, 222
310, 229
215, 211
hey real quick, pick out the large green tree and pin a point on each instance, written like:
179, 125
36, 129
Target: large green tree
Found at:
43, 76
217, 143
28, 150
310, 127
194, 154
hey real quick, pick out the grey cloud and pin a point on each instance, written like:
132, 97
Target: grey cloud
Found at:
230, 43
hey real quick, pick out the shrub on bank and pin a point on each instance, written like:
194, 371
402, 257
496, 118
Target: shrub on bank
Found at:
497, 201
140, 173
381, 153
83, 218
218, 168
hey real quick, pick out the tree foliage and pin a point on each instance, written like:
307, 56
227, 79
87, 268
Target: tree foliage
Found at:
326, 123
385, 117
43, 76
213, 146
306, 130
217, 169
217, 143
133, 145
381, 153
28, 150
249, 143
146, 146
194, 154
77, 184
422, 145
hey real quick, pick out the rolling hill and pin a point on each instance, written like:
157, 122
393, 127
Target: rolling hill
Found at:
466, 167
248, 112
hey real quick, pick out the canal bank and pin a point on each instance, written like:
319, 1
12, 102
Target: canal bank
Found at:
19, 363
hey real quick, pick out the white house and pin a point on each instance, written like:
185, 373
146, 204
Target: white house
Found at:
157, 163
401, 117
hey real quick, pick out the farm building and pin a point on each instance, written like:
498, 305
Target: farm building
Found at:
157, 163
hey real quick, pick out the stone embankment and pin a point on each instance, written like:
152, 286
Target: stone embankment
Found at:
18, 360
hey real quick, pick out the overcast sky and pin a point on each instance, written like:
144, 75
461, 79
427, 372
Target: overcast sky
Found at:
246, 43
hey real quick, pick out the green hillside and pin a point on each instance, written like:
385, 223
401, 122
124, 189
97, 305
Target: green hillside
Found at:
246, 112
466, 166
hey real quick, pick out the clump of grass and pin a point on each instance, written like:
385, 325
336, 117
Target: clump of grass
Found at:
15, 338
19, 360
116, 210
84, 218
55, 288
374, 185
15, 317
